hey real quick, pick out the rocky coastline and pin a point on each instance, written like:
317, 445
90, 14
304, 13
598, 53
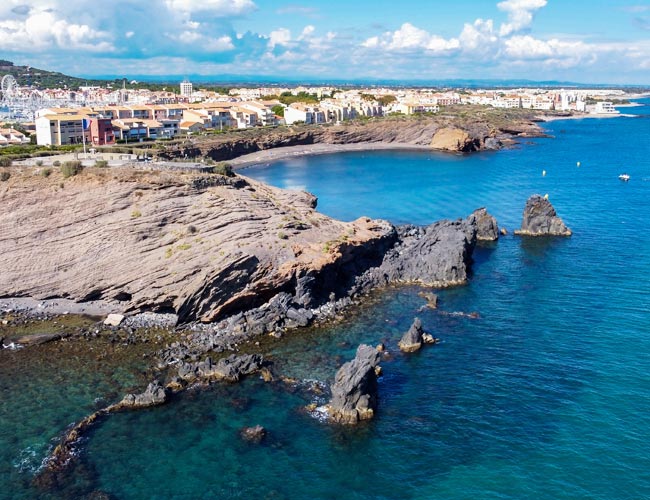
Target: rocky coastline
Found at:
222, 259
453, 130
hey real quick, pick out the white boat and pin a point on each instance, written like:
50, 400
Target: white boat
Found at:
624, 177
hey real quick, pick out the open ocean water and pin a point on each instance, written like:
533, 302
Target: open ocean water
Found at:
546, 395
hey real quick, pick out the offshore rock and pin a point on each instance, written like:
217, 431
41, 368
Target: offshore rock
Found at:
540, 219
487, 228
354, 393
412, 340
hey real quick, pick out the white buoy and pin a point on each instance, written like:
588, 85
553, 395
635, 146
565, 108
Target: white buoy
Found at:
543, 173
546, 196
578, 163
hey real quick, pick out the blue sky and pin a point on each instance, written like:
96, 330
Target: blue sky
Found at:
597, 41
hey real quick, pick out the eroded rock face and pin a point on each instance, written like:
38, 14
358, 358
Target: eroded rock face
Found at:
411, 341
154, 395
354, 393
540, 219
438, 255
453, 139
487, 228
203, 247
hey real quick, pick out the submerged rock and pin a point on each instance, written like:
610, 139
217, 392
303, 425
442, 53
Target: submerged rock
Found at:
354, 393
412, 340
253, 434
487, 228
431, 298
540, 219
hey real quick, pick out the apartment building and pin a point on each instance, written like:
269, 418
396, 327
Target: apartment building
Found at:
300, 112
57, 130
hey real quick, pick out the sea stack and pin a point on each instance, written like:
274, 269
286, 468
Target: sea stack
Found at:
540, 219
487, 228
412, 340
354, 393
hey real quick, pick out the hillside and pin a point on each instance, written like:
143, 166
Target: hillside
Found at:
44, 79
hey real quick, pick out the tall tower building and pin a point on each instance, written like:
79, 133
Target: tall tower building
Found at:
186, 88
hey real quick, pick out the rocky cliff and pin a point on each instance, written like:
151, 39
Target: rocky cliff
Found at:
466, 130
247, 257
203, 246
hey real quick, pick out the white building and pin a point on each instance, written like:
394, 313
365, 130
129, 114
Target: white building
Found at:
186, 88
604, 107
300, 112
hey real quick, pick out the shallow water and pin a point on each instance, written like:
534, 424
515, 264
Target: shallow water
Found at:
545, 395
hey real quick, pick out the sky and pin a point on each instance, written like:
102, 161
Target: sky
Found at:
587, 41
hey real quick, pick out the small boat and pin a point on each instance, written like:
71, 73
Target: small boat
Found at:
624, 177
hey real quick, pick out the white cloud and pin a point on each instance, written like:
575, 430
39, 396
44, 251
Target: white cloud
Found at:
307, 32
280, 36
218, 8
479, 36
409, 38
200, 36
207, 43
520, 14
43, 30
371, 42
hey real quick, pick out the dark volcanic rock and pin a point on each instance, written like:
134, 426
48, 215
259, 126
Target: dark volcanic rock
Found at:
486, 225
438, 255
230, 369
540, 219
354, 393
155, 394
412, 340
253, 434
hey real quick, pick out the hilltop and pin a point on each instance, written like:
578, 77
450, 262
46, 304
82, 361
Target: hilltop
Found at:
44, 79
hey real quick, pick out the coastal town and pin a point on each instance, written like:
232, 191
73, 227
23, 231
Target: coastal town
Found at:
103, 115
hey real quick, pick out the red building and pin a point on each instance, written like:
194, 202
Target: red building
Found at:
101, 132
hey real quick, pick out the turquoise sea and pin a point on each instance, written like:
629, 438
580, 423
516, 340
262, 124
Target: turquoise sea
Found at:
545, 396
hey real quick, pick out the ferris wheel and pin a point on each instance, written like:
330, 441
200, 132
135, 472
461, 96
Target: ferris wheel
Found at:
9, 87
